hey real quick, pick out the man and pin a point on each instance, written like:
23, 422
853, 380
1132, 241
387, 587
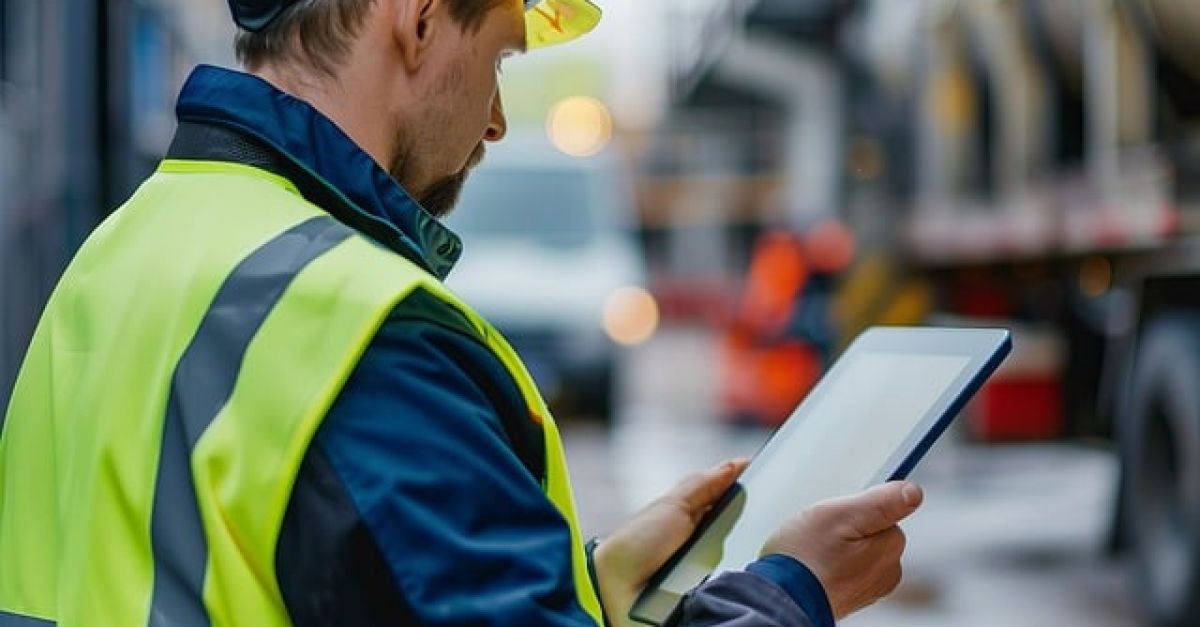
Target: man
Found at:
250, 401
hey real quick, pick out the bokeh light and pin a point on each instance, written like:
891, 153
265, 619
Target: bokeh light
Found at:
579, 126
630, 316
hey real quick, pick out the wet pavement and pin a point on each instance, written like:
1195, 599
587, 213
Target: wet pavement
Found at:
1010, 535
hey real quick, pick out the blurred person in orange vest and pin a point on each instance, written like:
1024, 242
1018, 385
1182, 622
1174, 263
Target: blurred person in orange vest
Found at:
781, 337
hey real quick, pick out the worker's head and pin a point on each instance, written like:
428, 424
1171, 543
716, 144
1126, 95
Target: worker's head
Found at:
413, 82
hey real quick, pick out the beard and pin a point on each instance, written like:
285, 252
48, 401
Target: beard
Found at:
440, 196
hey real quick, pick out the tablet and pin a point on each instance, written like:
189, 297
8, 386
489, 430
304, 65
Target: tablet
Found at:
869, 420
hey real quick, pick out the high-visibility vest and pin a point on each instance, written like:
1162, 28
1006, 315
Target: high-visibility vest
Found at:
175, 380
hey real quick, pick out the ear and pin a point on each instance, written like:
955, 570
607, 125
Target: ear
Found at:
415, 26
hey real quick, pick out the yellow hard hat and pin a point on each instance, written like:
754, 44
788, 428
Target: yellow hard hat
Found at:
550, 22
547, 22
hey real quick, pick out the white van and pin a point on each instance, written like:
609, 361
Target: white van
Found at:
547, 244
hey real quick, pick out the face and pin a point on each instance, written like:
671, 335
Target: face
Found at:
438, 146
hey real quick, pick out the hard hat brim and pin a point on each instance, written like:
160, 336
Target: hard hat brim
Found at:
551, 22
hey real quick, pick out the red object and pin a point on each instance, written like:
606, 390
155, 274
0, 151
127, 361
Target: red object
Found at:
1013, 408
764, 383
978, 296
707, 299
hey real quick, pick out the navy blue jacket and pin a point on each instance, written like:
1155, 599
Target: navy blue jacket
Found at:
419, 501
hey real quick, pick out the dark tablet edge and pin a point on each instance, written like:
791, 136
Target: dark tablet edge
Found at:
952, 411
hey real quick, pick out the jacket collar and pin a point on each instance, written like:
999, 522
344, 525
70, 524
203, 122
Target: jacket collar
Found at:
311, 141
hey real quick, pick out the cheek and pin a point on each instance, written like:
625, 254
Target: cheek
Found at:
480, 82
463, 107
475, 107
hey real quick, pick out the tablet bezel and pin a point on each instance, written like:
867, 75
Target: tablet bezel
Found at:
985, 348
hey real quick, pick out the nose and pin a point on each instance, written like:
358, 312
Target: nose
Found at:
497, 127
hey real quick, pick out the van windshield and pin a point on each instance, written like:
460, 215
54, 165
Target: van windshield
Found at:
549, 205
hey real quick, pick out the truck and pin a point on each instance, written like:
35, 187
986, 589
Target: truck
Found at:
1034, 163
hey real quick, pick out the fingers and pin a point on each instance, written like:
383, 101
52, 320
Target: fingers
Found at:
878, 508
697, 493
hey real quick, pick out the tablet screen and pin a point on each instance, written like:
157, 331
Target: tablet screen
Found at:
854, 424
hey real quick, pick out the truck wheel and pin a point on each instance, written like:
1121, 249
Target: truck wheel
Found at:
1160, 450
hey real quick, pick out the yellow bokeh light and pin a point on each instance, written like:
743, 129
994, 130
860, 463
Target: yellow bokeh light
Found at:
579, 126
630, 316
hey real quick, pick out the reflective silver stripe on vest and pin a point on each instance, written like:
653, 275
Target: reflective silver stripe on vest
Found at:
202, 383
9, 619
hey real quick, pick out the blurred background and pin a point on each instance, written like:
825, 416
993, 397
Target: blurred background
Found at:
703, 202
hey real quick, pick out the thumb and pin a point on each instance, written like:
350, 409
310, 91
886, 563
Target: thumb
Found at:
697, 493
878, 508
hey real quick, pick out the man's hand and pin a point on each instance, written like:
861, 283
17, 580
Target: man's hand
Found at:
627, 559
851, 544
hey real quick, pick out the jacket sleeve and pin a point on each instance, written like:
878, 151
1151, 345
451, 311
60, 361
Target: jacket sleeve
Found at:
775, 591
419, 502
